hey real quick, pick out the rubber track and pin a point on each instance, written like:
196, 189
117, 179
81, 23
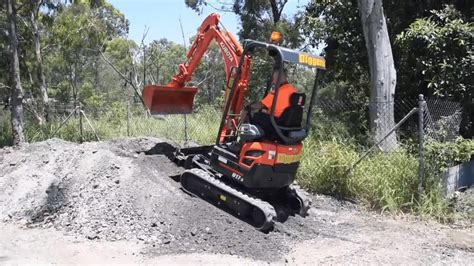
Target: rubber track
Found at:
264, 206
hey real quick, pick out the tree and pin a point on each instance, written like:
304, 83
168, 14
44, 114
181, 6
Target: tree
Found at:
124, 58
443, 65
16, 98
336, 27
78, 35
163, 58
258, 19
34, 10
383, 78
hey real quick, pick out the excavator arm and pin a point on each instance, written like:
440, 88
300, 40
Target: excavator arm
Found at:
176, 97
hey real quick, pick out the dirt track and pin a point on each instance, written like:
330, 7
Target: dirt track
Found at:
107, 193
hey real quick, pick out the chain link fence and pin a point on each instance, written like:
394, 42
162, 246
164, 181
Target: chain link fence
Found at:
342, 118
346, 120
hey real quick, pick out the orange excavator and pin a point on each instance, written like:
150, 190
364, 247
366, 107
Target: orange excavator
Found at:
247, 172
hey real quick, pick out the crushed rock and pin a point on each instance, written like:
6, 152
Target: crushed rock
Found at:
112, 191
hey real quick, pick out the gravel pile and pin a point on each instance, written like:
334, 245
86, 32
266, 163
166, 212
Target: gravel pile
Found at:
464, 205
113, 191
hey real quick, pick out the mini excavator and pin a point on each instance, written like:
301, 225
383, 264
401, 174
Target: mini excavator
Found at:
247, 172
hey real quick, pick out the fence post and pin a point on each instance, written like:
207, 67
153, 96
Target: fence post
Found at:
80, 122
185, 128
421, 139
128, 119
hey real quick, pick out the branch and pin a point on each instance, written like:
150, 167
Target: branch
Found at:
182, 34
142, 47
4, 86
220, 9
206, 77
128, 80
114, 67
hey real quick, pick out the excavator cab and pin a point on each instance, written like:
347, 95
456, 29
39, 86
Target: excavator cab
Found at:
293, 125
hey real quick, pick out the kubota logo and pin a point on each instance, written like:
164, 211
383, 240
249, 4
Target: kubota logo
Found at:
226, 51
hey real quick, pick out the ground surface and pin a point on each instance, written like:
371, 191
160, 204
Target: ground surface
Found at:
99, 202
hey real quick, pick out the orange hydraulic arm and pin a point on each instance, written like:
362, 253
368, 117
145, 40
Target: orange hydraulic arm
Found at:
208, 31
175, 97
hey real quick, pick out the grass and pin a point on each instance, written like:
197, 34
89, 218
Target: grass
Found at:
202, 127
383, 181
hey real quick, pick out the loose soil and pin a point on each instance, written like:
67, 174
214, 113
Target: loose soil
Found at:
110, 199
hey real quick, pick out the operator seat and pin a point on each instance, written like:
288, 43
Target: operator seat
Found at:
292, 117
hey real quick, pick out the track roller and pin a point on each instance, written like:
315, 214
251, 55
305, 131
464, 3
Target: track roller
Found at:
254, 211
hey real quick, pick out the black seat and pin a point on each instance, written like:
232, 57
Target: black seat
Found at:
292, 116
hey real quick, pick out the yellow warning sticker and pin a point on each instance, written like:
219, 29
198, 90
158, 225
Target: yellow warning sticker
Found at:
312, 61
288, 158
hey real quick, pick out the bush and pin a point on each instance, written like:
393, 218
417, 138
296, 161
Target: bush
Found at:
384, 181
117, 113
388, 181
441, 155
325, 167
6, 138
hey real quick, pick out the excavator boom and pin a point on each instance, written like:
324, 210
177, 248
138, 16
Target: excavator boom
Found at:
176, 97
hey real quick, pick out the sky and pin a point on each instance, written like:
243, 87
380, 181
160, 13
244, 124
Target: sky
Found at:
162, 18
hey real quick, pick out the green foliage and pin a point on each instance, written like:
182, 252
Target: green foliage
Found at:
120, 50
163, 60
388, 181
78, 34
443, 47
325, 167
117, 113
6, 136
441, 155
384, 181
434, 205
336, 24
94, 102
258, 18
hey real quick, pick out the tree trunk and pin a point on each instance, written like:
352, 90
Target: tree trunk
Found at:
16, 100
44, 103
382, 72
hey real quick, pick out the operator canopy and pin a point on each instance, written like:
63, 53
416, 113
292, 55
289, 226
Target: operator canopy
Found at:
301, 58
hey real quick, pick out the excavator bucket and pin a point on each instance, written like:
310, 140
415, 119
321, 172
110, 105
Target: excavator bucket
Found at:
169, 100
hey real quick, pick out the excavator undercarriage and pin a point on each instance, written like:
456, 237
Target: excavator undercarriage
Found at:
258, 207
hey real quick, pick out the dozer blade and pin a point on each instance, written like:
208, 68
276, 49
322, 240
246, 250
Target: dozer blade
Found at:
169, 100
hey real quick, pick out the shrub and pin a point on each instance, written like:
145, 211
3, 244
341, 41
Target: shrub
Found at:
441, 155
6, 138
388, 181
385, 181
325, 167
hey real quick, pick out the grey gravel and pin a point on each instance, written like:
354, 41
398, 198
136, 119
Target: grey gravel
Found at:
112, 191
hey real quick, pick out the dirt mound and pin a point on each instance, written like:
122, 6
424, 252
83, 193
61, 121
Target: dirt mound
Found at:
112, 191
